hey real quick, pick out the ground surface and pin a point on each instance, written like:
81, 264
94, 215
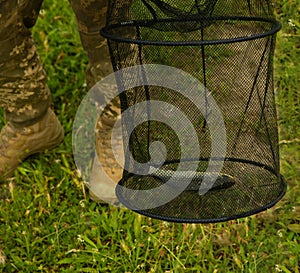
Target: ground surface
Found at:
49, 224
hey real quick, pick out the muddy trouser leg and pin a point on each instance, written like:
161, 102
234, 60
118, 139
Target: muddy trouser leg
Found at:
23, 91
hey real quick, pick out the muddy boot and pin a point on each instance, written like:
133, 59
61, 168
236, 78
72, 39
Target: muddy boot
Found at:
17, 142
107, 167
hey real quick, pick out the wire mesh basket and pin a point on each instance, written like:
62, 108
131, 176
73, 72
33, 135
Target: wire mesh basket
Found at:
228, 47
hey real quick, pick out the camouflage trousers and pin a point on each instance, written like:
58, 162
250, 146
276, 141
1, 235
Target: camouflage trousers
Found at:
24, 94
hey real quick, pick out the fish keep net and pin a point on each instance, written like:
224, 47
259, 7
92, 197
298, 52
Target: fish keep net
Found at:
198, 110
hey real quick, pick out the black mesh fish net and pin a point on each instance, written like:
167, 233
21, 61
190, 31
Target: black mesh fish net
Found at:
199, 122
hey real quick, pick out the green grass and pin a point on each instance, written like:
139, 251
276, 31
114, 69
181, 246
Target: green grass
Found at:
49, 224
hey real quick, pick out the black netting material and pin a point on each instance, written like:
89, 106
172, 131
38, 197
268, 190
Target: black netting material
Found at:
228, 46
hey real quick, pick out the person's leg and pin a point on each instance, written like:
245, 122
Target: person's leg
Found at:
91, 17
23, 80
29, 11
31, 126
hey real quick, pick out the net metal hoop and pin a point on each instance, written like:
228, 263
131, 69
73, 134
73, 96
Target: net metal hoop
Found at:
106, 31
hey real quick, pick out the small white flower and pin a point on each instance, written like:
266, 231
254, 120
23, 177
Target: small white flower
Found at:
82, 203
79, 238
277, 268
291, 23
